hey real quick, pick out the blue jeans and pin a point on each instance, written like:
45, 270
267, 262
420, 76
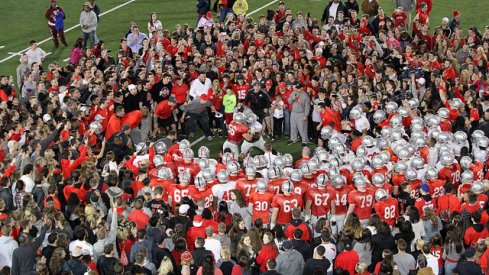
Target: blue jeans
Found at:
224, 12
88, 37
449, 267
287, 122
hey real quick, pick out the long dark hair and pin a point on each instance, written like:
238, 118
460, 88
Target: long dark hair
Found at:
452, 240
208, 265
222, 211
78, 43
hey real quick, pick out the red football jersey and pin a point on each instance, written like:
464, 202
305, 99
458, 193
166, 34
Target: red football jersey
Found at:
384, 171
205, 195
388, 210
437, 187
236, 131
193, 168
177, 192
275, 185
342, 199
414, 189
246, 187
321, 199
241, 91
482, 200
300, 188
421, 204
285, 204
447, 204
387, 187
450, 174
397, 179
363, 201
478, 169
261, 206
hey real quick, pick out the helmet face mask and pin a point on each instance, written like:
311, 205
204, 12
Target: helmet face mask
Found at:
287, 187
465, 162
160, 148
380, 194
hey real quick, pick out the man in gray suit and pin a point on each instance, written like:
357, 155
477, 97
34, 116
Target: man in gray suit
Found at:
301, 104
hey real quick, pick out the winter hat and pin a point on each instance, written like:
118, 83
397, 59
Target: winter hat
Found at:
456, 13
425, 187
198, 221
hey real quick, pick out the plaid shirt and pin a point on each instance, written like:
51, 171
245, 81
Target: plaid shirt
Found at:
19, 198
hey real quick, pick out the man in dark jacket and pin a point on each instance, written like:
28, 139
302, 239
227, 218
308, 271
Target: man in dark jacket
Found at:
468, 266
159, 251
271, 265
24, 257
106, 262
332, 9
74, 264
6, 194
203, 6
317, 261
300, 245
258, 101
200, 253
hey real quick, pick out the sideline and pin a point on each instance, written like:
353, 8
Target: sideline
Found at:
67, 30
262, 7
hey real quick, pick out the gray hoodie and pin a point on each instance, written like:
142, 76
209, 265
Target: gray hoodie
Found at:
290, 263
8, 246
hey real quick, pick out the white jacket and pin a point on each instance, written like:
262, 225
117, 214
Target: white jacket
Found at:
8, 246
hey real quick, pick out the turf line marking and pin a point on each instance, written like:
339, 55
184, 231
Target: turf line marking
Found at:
197, 141
48, 53
66, 59
262, 7
67, 30
1, 47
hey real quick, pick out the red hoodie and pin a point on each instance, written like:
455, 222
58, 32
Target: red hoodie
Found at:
475, 233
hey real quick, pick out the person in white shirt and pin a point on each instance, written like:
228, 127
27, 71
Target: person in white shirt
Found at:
35, 54
8, 246
200, 86
27, 179
212, 244
206, 21
330, 248
80, 242
432, 260
277, 107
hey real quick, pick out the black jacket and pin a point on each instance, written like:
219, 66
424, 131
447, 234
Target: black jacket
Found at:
381, 242
272, 272
467, 268
106, 264
311, 265
303, 248
199, 255
159, 253
341, 7
6, 195
24, 257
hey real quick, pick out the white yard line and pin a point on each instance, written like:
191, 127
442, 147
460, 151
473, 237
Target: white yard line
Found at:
1, 47
67, 30
262, 7
197, 141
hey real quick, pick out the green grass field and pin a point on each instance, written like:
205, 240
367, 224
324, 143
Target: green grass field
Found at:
24, 20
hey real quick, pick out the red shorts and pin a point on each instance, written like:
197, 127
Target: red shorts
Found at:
228, 117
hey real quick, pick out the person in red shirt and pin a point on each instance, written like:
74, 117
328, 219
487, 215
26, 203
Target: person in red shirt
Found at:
195, 231
241, 88
424, 200
176, 192
260, 202
138, 215
164, 112
188, 164
387, 208
247, 185
284, 203
320, 201
348, 258
399, 16
361, 200
447, 204
476, 232
237, 132
267, 252
341, 202
203, 192
297, 223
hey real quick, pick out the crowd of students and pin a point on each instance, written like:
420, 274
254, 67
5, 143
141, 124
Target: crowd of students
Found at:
98, 175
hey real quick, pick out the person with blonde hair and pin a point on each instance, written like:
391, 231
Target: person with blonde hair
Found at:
166, 267
225, 263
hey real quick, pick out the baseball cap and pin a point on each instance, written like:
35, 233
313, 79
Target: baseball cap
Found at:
287, 244
208, 14
469, 252
421, 80
183, 209
425, 187
46, 118
282, 85
269, 83
77, 252
204, 97
198, 221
